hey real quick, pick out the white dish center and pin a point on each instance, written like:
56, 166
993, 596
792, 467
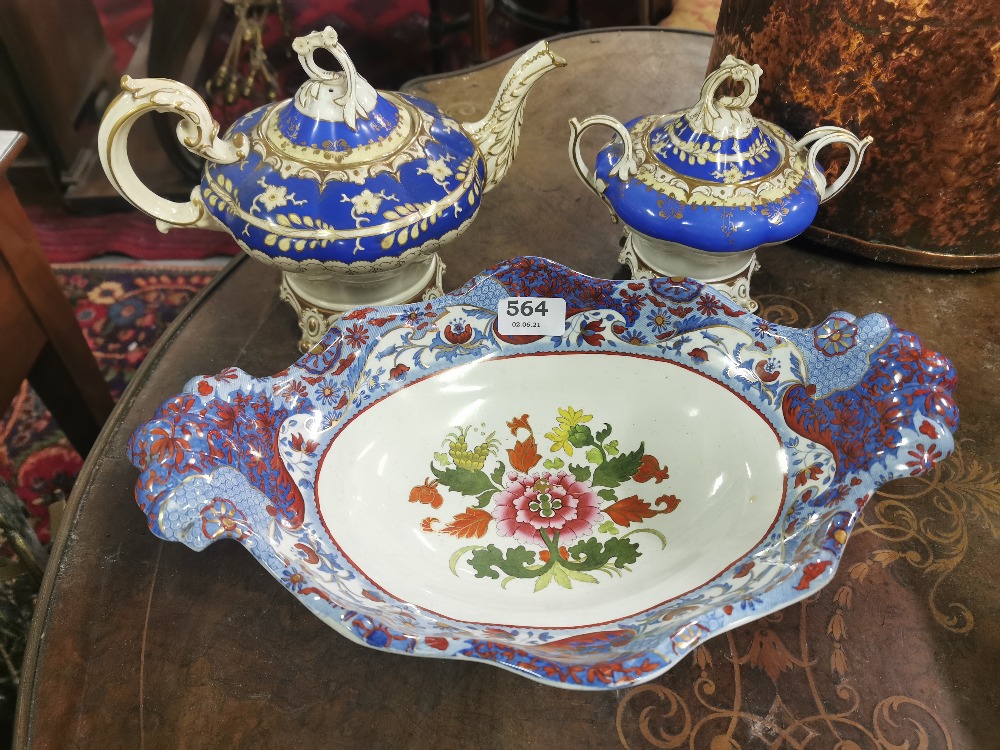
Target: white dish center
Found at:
725, 462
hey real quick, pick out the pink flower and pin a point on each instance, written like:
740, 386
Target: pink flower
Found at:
549, 502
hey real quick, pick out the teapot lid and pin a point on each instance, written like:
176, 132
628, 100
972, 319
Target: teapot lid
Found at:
342, 176
718, 140
333, 110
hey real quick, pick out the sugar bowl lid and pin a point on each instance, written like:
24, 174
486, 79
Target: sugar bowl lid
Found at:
713, 177
718, 140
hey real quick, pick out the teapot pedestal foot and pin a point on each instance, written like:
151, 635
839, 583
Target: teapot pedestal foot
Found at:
320, 298
730, 273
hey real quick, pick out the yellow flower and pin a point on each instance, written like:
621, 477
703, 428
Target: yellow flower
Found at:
568, 418
106, 293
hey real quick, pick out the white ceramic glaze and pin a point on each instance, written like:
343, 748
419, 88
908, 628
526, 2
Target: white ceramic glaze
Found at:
737, 476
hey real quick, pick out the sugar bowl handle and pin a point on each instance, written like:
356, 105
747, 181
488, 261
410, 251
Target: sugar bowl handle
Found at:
624, 168
821, 137
197, 131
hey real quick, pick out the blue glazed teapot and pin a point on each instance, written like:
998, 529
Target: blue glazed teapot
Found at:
699, 191
346, 189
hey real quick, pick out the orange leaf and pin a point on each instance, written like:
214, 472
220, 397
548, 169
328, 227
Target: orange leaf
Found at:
669, 501
630, 509
356, 314
524, 455
544, 555
650, 469
308, 553
471, 524
744, 569
428, 525
344, 363
519, 423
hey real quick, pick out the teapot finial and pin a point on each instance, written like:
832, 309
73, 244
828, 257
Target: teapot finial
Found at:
727, 116
335, 96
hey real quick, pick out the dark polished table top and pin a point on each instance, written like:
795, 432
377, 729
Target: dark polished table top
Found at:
141, 643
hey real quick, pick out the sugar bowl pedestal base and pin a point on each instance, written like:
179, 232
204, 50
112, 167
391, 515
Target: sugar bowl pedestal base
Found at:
319, 298
730, 273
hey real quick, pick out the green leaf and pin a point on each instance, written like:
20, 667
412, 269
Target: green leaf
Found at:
654, 532
487, 561
442, 458
472, 483
576, 576
560, 576
608, 527
497, 475
601, 436
594, 456
553, 463
459, 554
582, 473
616, 470
544, 580
590, 554
611, 448
608, 495
621, 552
485, 497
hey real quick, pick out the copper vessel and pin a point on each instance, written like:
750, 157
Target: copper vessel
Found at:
921, 76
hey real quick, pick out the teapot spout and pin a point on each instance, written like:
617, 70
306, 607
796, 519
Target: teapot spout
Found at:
496, 135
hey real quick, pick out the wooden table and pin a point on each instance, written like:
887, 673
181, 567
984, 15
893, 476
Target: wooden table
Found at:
139, 643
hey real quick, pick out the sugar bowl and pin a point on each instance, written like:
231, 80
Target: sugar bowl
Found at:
700, 191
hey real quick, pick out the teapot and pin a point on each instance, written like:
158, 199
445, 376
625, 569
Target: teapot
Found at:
346, 189
700, 191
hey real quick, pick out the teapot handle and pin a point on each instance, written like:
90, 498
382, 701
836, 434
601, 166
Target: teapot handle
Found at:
624, 168
820, 138
197, 131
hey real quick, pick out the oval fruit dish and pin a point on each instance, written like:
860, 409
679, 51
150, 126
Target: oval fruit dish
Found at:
581, 508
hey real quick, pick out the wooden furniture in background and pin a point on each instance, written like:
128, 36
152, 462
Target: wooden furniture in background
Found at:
55, 66
476, 20
179, 36
39, 336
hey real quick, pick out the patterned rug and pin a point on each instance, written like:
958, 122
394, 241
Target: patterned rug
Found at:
122, 311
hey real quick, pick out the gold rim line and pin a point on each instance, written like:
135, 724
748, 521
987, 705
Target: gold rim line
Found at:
410, 121
653, 165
